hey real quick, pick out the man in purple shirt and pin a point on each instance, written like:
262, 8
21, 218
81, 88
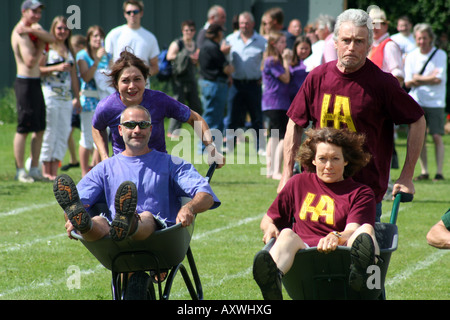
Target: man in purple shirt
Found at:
142, 188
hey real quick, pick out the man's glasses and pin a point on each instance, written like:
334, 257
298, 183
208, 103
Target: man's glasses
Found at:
132, 124
135, 12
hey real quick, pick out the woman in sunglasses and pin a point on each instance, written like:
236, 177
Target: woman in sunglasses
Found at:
128, 76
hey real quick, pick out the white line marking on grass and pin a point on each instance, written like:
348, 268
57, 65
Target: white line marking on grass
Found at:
47, 283
411, 270
25, 209
230, 226
18, 246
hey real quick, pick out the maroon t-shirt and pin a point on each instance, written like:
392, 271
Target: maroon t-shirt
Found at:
367, 101
319, 208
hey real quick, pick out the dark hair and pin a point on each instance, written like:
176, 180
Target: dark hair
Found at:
126, 60
213, 31
298, 40
352, 145
139, 4
187, 23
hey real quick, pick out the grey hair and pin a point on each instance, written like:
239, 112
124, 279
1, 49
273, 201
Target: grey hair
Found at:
247, 14
359, 18
425, 27
214, 11
138, 107
325, 21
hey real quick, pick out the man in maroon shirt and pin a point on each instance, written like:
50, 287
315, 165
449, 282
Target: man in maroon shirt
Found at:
355, 94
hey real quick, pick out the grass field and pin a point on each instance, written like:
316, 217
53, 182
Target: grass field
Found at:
37, 257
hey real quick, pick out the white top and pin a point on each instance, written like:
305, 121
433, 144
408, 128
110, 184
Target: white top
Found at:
432, 96
406, 44
142, 43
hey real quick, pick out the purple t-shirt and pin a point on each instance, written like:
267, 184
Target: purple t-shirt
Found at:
276, 93
298, 76
160, 106
161, 180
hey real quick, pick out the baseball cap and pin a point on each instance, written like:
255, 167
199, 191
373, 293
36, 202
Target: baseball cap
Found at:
31, 4
378, 16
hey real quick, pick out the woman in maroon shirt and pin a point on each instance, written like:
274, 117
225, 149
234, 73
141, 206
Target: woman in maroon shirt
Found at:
327, 206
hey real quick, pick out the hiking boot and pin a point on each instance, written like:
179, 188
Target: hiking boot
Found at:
267, 276
126, 218
362, 255
66, 194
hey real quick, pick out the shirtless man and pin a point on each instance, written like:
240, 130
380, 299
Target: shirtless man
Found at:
28, 41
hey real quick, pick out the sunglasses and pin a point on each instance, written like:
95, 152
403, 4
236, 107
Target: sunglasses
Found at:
132, 124
135, 12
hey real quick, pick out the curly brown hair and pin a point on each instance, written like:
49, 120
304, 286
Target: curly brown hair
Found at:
126, 60
352, 145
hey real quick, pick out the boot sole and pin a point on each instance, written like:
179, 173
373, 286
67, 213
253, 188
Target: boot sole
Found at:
125, 204
66, 195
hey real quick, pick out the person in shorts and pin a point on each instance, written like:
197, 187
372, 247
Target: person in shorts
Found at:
28, 41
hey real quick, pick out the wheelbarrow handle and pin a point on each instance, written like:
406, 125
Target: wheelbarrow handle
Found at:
211, 170
399, 197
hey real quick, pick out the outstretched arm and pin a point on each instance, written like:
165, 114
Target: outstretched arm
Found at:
292, 141
202, 130
416, 137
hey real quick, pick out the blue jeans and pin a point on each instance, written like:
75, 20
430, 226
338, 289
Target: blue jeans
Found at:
214, 99
213, 95
245, 96
378, 212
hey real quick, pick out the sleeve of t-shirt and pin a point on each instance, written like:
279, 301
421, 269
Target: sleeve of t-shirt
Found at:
402, 108
446, 220
298, 111
98, 121
187, 181
177, 110
281, 210
276, 69
363, 208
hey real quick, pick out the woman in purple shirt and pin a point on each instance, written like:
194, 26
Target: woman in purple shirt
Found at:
275, 99
129, 76
301, 51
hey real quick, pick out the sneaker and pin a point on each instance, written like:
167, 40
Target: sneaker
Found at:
362, 255
23, 177
267, 276
125, 220
66, 194
68, 166
421, 177
36, 175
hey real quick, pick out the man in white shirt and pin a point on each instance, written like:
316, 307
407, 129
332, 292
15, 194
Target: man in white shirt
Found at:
404, 38
133, 36
428, 88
